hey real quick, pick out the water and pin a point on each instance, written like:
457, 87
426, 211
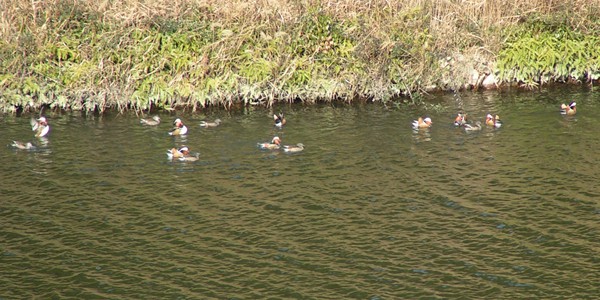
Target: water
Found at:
370, 209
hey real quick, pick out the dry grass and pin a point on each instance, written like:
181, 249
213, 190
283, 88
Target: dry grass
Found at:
409, 35
444, 16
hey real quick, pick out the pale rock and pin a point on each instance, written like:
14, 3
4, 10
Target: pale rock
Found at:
490, 82
474, 78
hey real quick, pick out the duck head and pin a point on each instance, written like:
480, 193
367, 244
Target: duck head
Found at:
42, 121
184, 150
460, 119
178, 123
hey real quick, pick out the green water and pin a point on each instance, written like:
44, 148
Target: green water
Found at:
369, 210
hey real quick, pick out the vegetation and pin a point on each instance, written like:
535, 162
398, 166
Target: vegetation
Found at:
165, 54
546, 50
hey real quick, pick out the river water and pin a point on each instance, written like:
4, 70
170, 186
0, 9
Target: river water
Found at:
369, 210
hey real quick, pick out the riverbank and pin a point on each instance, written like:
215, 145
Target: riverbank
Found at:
157, 54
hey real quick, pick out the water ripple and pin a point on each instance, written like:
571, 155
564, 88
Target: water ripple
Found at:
370, 209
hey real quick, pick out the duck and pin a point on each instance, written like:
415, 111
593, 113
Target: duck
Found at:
470, 127
23, 145
175, 153
569, 110
279, 120
179, 129
460, 120
293, 148
40, 126
182, 154
216, 123
155, 120
493, 121
422, 123
275, 144
191, 157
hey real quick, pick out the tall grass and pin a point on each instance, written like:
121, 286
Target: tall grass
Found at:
95, 55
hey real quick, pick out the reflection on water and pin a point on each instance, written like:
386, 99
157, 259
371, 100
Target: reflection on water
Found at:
421, 135
369, 210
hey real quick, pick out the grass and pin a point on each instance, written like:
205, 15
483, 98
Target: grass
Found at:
155, 54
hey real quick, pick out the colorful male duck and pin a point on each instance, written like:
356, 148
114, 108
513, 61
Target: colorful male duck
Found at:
175, 153
179, 128
22, 145
216, 123
275, 144
187, 155
279, 120
40, 126
155, 120
422, 123
460, 120
182, 154
493, 121
292, 149
569, 110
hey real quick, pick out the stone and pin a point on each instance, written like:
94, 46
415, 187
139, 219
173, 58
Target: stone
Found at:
473, 81
490, 82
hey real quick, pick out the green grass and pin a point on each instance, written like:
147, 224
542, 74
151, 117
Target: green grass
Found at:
545, 51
